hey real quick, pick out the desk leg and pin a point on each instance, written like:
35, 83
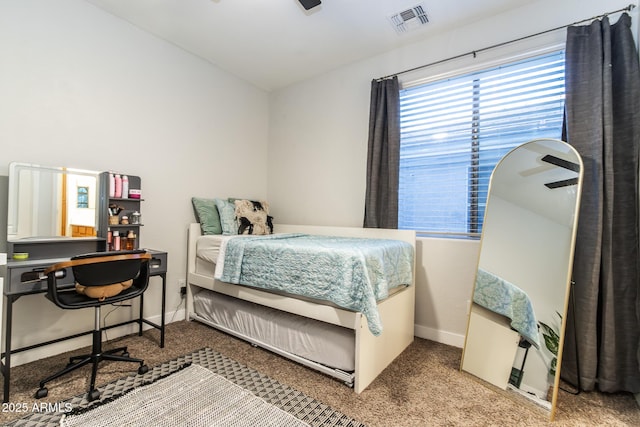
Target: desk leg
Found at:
162, 317
6, 367
164, 301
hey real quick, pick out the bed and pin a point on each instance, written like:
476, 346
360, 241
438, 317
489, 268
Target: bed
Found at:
344, 343
502, 297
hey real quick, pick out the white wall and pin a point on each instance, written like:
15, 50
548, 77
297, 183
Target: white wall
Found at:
81, 88
318, 144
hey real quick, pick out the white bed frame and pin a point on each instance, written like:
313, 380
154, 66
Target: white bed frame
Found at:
372, 354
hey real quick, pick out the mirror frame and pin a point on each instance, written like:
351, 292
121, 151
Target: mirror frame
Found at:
567, 280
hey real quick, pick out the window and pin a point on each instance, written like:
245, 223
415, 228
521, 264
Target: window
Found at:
453, 133
83, 197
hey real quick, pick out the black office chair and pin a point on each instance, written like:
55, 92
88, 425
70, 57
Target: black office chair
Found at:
90, 270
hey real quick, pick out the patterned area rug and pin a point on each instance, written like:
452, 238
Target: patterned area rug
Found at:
193, 396
298, 404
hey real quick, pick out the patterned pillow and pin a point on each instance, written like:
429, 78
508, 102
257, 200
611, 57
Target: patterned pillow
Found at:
253, 217
226, 210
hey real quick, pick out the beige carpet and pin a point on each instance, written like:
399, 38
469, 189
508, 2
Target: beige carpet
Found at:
423, 387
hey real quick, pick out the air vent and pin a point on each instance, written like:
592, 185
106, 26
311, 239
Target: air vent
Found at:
409, 19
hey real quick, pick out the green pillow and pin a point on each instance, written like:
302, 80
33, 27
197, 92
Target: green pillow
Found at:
207, 215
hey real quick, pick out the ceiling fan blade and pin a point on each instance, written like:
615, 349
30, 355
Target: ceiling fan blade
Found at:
563, 183
561, 163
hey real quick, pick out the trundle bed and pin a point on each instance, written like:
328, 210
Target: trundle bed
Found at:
317, 333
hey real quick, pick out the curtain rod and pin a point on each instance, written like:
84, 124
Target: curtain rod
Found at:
475, 52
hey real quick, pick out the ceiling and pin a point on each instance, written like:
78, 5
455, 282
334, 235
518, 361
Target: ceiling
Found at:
274, 43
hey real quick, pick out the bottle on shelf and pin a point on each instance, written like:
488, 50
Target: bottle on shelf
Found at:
118, 192
109, 240
112, 185
125, 187
116, 240
135, 217
131, 241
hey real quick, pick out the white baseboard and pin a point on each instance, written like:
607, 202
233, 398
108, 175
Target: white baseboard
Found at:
84, 341
448, 338
170, 317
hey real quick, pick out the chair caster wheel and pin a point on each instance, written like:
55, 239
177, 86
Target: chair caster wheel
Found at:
42, 392
93, 395
143, 369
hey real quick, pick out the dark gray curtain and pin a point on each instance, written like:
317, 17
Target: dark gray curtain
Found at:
383, 157
603, 124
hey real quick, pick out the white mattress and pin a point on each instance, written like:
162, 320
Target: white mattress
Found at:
330, 345
208, 247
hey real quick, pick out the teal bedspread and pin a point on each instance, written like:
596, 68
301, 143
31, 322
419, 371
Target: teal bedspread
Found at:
352, 273
502, 297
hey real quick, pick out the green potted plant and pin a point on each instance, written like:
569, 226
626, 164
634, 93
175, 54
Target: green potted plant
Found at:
551, 341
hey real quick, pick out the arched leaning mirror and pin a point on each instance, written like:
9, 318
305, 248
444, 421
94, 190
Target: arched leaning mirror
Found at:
516, 321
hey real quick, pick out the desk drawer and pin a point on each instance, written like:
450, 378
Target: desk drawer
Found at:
25, 279
158, 263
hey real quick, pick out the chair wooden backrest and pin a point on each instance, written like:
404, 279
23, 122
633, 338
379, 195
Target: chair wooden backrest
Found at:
99, 269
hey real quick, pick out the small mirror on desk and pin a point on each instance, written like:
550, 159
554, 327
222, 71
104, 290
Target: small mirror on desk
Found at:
48, 202
52, 212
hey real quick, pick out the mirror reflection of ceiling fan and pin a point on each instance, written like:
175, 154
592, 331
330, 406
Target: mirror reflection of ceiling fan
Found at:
557, 161
550, 162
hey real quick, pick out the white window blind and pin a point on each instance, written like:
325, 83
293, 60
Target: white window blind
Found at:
454, 132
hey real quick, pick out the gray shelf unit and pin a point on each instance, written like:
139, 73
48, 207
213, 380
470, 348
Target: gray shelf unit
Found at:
129, 206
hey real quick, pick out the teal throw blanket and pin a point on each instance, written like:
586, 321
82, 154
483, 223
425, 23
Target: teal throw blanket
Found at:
352, 273
502, 297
